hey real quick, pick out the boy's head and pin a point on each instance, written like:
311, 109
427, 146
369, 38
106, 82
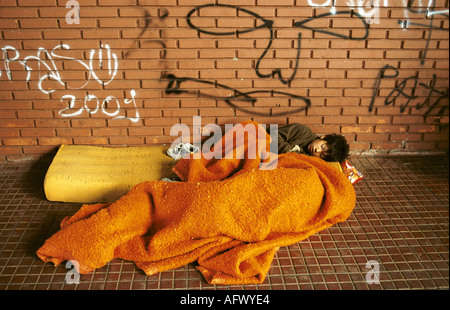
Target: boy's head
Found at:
331, 147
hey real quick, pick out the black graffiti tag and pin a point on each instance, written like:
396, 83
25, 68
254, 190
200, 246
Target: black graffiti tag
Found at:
238, 100
243, 100
411, 84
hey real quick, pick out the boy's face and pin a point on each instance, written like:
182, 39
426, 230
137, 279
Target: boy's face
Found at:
318, 148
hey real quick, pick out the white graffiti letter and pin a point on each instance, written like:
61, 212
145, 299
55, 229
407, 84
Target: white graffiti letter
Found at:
372, 15
73, 16
67, 47
132, 100
51, 69
8, 60
71, 106
105, 103
91, 98
112, 64
312, 3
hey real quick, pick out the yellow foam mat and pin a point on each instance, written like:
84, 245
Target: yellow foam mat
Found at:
90, 174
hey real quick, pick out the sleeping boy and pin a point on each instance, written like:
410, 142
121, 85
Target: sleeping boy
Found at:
299, 138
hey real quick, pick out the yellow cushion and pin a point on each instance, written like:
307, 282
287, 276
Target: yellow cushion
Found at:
90, 174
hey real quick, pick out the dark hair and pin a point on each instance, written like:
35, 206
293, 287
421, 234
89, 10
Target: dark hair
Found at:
338, 146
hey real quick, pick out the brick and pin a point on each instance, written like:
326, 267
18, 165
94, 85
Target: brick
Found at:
357, 129
100, 141
35, 3
343, 83
118, 22
366, 54
9, 23
10, 132
324, 111
145, 131
343, 101
4, 150
344, 63
358, 92
276, 3
189, 64
18, 12
411, 145
372, 119
73, 132
328, 73
235, 23
98, 12
371, 137
101, 34
387, 146
22, 34
402, 54
215, 53
7, 114
407, 119
326, 92
391, 128
441, 136
116, 2
234, 43
383, 44
359, 146
38, 150
54, 141
405, 137
127, 140
339, 119
336, 53
197, 43
180, 112
19, 141
43, 23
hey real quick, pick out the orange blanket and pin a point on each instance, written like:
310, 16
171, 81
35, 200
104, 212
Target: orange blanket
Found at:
230, 217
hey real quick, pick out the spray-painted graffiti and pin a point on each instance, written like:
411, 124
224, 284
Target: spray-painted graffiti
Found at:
243, 101
101, 67
148, 19
432, 100
409, 88
370, 9
102, 64
265, 24
238, 100
48, 70
429, 14
303, 24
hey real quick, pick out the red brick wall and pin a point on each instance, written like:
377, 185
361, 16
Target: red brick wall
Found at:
131, 69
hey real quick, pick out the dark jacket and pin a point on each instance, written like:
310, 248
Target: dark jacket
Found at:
291, 135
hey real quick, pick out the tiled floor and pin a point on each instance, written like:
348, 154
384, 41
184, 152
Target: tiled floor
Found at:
400, 224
